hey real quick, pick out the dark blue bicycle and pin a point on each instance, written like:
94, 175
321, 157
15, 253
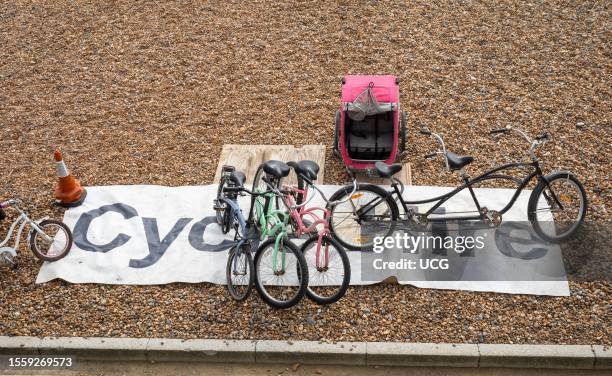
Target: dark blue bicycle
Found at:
240, 268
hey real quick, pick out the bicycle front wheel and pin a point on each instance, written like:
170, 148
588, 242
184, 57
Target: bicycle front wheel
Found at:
329, 278
281, 275
369, 213
222, 209
558, 208
53, 243
239, 273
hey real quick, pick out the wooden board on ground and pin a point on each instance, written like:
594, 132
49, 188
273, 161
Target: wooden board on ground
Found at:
405, 176
247, 158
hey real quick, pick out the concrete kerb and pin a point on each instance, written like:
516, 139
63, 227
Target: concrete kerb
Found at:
201, 350
536, 356
422, 354
19, 345
312, 352
95, 348
603, 357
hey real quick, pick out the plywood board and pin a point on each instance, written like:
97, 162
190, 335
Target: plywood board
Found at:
247, 158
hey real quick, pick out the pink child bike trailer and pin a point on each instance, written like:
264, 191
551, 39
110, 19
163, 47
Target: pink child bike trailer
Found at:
369, 124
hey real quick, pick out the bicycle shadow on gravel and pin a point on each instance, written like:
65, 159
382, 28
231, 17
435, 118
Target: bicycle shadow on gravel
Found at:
465, 251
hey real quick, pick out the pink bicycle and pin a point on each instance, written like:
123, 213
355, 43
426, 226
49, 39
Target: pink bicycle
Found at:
329, 269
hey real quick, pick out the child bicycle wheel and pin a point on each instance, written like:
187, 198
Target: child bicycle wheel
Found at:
239, 272
58, 243
281, 284
327, 282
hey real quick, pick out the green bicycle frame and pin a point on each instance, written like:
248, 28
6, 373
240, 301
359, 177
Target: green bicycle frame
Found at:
273, 223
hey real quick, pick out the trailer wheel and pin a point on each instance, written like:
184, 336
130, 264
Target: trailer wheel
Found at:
337, 135
402, 132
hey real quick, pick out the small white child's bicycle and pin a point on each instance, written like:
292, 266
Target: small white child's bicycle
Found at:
50, 240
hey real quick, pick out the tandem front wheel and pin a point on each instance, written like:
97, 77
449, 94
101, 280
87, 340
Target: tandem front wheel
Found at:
557, 206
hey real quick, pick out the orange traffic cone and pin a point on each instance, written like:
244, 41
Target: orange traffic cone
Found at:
69, 192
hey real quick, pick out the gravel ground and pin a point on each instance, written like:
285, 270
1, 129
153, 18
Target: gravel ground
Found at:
135, 92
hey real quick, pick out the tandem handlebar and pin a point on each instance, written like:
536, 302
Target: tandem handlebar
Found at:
537, 141
543, 137
499, 130
442, 150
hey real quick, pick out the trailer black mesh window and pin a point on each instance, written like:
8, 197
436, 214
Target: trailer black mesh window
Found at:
370, 139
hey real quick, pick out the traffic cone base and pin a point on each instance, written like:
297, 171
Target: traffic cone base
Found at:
69, 192
73, 203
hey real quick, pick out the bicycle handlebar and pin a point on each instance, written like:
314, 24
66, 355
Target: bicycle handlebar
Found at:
440, 141
332, 203
543, 137
11, 202
499, 130
243, 189
539, 140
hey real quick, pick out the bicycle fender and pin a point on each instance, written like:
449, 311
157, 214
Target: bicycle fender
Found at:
538, 188
38, 221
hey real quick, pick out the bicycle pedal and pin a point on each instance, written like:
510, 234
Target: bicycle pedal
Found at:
492, 217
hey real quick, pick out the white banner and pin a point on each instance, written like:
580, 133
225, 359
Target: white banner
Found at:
141, 234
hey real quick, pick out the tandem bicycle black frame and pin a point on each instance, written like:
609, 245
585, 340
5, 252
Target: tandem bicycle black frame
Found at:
467, 183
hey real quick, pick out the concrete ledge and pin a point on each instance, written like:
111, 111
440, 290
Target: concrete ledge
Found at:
95, 348
537, 356
603, 357
201, 350
19, 345
422, 354
310, 352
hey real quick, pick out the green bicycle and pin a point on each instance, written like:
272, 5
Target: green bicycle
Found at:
281, 274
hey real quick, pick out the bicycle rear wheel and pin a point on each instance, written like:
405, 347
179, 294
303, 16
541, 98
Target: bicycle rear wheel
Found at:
366, 215
551, 221
280, 284
327, 282
54, 243
240, 273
